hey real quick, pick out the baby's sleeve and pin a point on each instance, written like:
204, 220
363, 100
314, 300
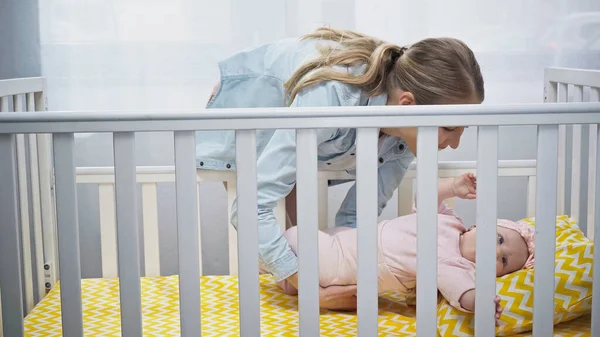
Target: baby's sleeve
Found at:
455, 277
445, 191
442, 208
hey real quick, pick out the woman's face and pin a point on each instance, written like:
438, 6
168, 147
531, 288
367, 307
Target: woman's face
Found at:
447, 136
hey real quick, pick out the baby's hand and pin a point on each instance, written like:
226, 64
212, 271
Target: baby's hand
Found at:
465, 186
498, 309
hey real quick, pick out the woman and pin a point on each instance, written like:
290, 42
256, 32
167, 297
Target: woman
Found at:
333, 68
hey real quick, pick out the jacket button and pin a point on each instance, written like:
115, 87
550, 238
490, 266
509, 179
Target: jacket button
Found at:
201, 163
381, 160
228, 165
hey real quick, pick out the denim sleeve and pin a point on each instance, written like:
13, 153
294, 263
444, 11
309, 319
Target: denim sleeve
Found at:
389, 176
276, 176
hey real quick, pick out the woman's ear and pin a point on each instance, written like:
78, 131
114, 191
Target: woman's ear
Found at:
406, 98
400, 97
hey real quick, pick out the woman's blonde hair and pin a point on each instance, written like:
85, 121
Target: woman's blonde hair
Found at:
435, 70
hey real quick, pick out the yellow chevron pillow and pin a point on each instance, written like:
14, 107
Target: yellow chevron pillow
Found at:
573, 284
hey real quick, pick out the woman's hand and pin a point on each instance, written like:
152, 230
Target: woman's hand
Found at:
465, 186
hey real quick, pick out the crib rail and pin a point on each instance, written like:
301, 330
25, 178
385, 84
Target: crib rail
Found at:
569, 85
300, 118
34, 208
149, 177
489, 118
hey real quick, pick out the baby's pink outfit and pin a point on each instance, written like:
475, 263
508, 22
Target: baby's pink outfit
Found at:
397, 256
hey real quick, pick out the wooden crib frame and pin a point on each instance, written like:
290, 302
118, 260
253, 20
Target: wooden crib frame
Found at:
37, 172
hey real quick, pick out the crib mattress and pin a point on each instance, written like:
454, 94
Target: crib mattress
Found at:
219, 305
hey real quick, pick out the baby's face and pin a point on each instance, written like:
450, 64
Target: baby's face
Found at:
511, 250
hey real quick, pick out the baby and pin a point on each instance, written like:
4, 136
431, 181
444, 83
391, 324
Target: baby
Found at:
397, 251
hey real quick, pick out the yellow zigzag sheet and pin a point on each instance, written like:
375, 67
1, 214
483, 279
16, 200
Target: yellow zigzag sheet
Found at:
219, 308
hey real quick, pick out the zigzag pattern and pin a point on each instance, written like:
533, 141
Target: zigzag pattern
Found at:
573, 291
279, 312
220, 308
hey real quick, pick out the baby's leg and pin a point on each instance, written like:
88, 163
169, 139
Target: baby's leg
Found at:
328, 259
332, 231
287, 288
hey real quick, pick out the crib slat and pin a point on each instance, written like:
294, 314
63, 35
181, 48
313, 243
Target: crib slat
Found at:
24, 210
4, 103
405, 196
547, 154
576, 160
150, 220
68, 235
366, 218
10, 265
427, 219
550, 91
593, 167
231, 231
36, 205
562, 154
199, 224
323, 203
44, 145
127, 233
591, 195
187, 232
487, 201
596, 282
308, 223
248, 230
531, 190
108, 230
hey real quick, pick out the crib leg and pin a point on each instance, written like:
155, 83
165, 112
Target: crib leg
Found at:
233, 256
323, 204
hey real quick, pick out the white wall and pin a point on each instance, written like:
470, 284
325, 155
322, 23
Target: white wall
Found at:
161, 54
19, 39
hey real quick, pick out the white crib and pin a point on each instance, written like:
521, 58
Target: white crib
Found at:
29, 178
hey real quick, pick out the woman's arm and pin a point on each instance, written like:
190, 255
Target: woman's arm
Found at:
389, 176
276, 176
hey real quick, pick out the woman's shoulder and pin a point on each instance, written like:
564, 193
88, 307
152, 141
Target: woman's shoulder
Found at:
280, 59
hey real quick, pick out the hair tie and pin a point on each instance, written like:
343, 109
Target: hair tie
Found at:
397, 53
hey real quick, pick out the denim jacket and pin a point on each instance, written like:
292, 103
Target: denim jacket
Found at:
254, 78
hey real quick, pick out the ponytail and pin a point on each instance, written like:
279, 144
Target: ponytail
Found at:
358, 50
435, 71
